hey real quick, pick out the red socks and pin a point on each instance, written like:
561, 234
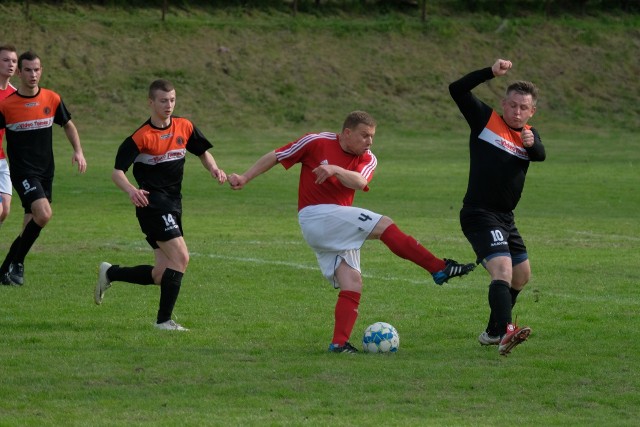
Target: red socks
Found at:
408, 248
346, 314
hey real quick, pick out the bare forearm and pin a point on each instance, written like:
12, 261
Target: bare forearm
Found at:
351, 179
72, 135
122, 182
261, 166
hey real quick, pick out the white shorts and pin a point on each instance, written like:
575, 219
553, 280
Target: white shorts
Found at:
336, 233
5, 178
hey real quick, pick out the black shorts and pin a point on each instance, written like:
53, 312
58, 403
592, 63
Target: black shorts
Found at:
31, 189
492, 234
161, 227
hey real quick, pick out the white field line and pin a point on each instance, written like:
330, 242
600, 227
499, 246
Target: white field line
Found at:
297, 266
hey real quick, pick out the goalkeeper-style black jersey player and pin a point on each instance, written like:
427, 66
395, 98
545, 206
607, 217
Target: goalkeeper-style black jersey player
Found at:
501, 148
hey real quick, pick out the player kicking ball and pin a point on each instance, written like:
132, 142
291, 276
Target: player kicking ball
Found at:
333, 167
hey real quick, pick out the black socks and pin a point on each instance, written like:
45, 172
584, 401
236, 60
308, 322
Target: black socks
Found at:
140, 274
500, 300
169, 290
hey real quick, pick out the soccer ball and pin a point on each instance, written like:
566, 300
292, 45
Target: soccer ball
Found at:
380, 337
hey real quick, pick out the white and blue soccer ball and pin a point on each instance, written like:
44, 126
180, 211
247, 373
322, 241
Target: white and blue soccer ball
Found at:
380, 337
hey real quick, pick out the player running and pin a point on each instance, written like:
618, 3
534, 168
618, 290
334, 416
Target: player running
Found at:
157, 150
28, 116
501, 148
333, 167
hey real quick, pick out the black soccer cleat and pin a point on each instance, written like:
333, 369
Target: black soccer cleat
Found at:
346, 348
451, 269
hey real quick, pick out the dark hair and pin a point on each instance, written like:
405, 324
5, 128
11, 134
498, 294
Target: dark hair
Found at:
524, 87
27, 56
9, 47
160, 84
357, 117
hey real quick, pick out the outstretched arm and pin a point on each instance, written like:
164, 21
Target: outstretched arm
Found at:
263, 164
210, 164
74, 138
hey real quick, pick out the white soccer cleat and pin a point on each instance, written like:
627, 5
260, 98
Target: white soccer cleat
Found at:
103, 283
170, 325
486, 339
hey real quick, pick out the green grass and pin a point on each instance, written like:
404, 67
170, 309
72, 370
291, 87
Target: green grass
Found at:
261, 314
236, 69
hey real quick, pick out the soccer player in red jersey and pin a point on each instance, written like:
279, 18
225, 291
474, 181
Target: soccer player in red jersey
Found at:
157, 150
501, 148
8, 67
28, 116
333, 167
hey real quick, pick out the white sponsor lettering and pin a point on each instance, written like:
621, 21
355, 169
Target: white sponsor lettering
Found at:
503, 144
31, 125
150, 159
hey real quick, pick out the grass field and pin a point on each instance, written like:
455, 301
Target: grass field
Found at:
259, 311
261, 314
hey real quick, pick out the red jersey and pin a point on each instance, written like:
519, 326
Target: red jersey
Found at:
313, 150
3, 94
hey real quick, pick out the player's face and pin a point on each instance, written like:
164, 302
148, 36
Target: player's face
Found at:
360, 139
8, 63
517, 109
163, 103
30, 73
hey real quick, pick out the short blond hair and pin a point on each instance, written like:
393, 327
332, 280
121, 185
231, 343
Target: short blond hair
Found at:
358, 117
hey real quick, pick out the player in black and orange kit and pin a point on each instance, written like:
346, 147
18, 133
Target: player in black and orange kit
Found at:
501, 148
28, 115
157, 151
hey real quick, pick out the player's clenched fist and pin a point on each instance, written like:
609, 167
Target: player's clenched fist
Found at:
500, 67
236, 181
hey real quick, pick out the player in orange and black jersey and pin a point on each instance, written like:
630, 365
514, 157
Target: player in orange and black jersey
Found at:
501, 148
28, 115
157, 151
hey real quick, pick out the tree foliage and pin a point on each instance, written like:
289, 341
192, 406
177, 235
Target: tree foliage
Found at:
425, 7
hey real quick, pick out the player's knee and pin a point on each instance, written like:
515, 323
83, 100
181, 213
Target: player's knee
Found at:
386, 221
520, 280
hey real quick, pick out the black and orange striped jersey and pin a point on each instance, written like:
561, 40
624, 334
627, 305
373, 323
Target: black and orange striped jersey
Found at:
29, 121
158, 157
498, 160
